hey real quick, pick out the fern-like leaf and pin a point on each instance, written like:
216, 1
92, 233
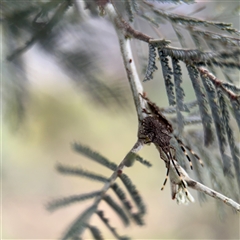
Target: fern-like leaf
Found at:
142, 161
190, 21
231, 87
79, 224
94, 156
53, 205
80, 172
177, 73
230, 135
236, 109
215, 109
117, 209
133, 192
122, 196
95, 232
202, 103
167, 72
136, 217
151, 63
113, 230
129, 9
224, 40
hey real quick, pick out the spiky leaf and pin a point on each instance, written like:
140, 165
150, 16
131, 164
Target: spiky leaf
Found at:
80, 172
117, 209
167, 72
202, 103
53, 205
133, 192
94, 156
79, 224
151, 63
217, 118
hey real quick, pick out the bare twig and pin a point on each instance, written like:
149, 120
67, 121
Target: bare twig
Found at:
132, 32
202, 188
129, 64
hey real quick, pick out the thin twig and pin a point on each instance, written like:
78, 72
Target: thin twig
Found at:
120, 23
129, 64
218, 83
132, 32
202, 188
216, 36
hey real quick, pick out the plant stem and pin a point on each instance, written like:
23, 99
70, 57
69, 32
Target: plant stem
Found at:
129, 64
202, 188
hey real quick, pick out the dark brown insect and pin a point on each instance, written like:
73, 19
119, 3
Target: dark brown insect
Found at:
156, 129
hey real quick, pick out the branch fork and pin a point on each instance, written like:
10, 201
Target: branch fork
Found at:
140, 104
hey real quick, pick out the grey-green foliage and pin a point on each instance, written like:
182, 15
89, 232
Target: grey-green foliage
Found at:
202, 104
211, 92
215, 110
94, 156
112, 229
95, 232
50, 25
167, 73
214, 99
122, 210
151, 63
53, 205
215, 107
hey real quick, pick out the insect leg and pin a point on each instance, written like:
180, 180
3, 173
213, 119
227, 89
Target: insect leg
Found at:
183, 146
165, 181
195, 155
186, 154
180, 177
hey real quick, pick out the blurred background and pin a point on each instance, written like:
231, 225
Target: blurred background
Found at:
69, 85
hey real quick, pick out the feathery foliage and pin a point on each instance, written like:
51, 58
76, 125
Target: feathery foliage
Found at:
212, 106
211, 114
123, 211
167, 72
151, 63
202, 103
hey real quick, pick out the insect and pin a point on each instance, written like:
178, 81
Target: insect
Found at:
156, 129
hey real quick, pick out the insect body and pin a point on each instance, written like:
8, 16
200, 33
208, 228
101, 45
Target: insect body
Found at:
156, 129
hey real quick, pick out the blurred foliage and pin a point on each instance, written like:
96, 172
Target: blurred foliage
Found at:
84, 49
74, 43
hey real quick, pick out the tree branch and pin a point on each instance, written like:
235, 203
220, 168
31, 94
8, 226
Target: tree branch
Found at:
200, 187
137, 89
129, 64
218, 83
